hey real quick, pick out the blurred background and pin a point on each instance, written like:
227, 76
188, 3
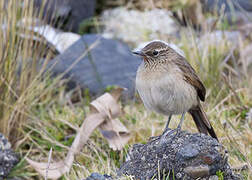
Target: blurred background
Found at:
57, 56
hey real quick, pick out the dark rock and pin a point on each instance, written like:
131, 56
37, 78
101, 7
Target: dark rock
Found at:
230, 5
236, 11
73, 12
4, 143
188, 151
185, 156
97, 176
8, 158
109, 63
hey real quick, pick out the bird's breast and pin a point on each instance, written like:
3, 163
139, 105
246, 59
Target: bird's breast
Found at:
165, 91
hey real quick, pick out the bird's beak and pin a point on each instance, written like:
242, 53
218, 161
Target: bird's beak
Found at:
139, 53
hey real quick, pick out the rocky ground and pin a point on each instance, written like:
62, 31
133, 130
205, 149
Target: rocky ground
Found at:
184, 156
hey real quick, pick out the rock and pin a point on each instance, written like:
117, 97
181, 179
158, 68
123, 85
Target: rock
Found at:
4, 143
109, 63
58, 39
97, 176
197, 171
236, 11
249, 115
135, 26
224, 41
230, 5
8, 158
219, 38
73, 12
185, 156
246, 55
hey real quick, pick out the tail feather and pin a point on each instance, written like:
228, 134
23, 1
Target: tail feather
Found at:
201, 121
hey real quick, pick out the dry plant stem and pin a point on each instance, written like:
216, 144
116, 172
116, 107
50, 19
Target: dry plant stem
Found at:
225, 100
233, 91
240, 168
57, 169
48, 163
104, 109
22, 98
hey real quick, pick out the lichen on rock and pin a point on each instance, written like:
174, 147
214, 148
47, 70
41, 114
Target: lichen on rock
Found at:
8, 158
184, 156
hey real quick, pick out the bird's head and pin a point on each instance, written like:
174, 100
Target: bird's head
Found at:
157, 51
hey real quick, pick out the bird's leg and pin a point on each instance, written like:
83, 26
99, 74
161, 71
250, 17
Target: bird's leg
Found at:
181, 122
167, 124
170, 133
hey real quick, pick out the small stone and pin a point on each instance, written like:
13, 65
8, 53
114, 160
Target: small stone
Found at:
188, 151
197, 172
97, 176
178, 175
143, 158
8, 158
164, 156
4, 143
249, 114
214, 177
208, 159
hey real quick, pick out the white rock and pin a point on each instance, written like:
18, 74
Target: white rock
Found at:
137, 26
61, 40
249, 115
217, 38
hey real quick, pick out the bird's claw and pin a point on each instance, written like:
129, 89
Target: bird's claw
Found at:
170, 134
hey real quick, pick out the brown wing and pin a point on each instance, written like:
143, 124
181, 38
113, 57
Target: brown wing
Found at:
191, 77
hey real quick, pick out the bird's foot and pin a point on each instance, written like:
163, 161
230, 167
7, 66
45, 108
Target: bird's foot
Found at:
169, 135
178, 130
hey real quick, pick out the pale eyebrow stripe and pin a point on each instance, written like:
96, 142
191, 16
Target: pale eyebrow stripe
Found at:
161, 49
171, 45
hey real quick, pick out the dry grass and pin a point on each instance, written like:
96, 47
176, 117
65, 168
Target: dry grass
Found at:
38, 114
20, 83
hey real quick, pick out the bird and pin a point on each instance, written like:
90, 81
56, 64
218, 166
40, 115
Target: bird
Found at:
168, 84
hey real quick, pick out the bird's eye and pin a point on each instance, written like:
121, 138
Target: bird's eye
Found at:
155, 53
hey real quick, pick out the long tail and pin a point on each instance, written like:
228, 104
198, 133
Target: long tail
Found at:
201, 121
